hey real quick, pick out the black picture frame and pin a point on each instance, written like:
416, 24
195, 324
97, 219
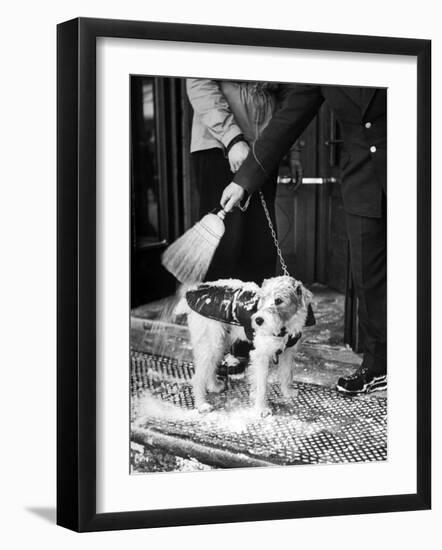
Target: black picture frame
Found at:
76, 274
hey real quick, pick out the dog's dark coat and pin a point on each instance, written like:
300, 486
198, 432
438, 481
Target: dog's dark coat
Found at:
233, 306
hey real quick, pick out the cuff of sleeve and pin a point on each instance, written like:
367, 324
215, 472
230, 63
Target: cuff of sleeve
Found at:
250, 176
234, 141
231, 133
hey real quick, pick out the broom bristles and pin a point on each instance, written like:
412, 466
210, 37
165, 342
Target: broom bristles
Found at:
190, 256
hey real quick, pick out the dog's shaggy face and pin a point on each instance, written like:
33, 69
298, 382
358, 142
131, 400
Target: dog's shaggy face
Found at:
268, 322
286, 294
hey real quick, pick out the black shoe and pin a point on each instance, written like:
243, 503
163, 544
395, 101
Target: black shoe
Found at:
363, 380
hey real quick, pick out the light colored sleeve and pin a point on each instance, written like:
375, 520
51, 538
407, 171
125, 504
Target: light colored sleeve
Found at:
212, 109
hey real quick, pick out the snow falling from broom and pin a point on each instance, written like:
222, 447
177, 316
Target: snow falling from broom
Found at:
167, 335
190, 256
188, 259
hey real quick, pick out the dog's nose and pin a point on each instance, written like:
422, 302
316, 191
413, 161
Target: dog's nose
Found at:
259, 321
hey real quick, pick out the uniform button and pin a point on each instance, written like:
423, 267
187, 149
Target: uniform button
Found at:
373, 149
368, 124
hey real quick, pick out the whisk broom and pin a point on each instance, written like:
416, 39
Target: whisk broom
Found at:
190, 256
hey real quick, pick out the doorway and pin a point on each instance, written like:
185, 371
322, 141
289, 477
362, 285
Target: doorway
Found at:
164, 203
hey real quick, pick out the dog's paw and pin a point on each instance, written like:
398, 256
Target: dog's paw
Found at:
289, 393
205, 408
262, 412
216, 386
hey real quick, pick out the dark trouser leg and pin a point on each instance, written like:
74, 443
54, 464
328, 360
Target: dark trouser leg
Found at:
246, 250
258, 254
368, 256
212, 174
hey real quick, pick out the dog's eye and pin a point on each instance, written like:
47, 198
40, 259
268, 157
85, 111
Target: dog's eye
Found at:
278, 301
299, 291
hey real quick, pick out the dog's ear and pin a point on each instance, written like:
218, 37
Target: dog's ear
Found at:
310, 319
293, 290
307, 296
265, 283
294, 282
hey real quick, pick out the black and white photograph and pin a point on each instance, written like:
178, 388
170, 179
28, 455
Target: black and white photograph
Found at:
219, 241
258, 274
225, 244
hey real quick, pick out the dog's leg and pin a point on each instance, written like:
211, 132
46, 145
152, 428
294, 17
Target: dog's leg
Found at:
214, 384
259, 371
285, 373
207, 338
206, 360
218, 334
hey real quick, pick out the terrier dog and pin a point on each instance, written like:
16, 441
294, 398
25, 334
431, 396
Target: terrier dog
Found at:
271, 317
288, 300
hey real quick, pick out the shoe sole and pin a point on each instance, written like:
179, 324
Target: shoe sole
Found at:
236, 373
378, 383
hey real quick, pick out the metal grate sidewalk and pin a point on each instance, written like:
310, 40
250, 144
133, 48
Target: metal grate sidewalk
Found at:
319, 426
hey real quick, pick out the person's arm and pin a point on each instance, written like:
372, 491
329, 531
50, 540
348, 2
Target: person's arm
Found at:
213, 110
300, 104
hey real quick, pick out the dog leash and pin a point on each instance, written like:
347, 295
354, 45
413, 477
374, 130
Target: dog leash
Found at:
267, 213
274, 236
272, 230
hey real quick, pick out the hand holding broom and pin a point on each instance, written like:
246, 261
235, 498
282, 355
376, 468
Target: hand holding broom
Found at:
232, 196
190, 256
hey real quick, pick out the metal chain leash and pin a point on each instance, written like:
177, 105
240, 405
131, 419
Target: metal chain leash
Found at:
274, 236
266, 210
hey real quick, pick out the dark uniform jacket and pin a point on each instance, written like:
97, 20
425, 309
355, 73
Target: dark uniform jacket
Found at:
362, 114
